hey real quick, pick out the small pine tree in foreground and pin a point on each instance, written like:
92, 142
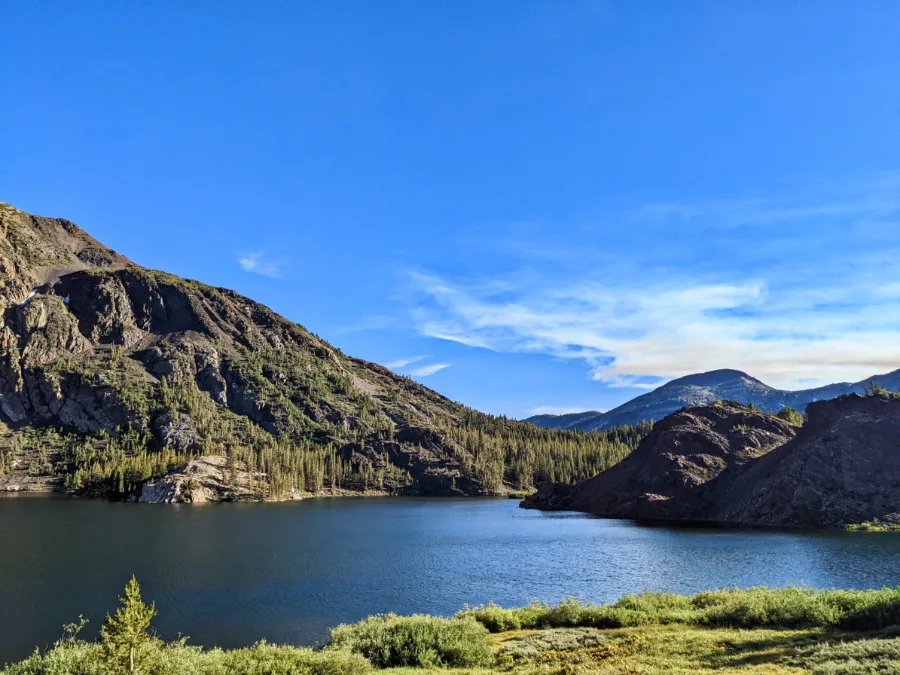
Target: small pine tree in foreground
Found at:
126, 635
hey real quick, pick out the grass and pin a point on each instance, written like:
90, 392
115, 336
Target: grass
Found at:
530, 644
757, 630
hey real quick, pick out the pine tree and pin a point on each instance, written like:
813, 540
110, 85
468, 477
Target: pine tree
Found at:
126, 635
875, 389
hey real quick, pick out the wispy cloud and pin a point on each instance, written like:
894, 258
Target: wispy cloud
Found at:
829, 205
370, 322
792, 292
643, 336
257, 263
405, 361
429, 369
420, 371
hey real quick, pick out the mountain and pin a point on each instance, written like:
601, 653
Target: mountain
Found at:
726, 463
704, 388
132, 383
579, 420
662, 478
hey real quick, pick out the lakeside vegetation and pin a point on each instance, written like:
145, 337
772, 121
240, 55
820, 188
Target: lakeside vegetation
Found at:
874, 526
788, 630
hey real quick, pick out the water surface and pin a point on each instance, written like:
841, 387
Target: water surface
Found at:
229, 574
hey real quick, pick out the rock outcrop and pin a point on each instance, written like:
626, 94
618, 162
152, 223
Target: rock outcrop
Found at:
205, 479
727, 464
665, 477
842, 468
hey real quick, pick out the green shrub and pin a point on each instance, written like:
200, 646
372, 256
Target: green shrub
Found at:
266, 659
791, 416
567, 614
77, 658
498, 619
632, 610
758, 607
82, 658
868, 610
735, 608
419, 640
645, 608
873, 526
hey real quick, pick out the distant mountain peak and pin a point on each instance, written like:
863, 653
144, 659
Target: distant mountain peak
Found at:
712, 377
708, 387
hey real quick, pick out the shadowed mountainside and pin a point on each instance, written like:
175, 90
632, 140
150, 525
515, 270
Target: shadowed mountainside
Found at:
726, 463
665, 476
113, 376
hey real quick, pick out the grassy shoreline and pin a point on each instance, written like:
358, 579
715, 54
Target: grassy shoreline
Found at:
788, 630
873, 526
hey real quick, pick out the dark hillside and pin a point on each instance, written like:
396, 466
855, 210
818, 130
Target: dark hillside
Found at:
113, 375
725, 463
666, 476
842, 468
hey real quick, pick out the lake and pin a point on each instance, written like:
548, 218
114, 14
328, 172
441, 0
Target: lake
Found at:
229, 574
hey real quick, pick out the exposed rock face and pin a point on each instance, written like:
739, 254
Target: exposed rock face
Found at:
843, 467
205, 479
725, 464
666, 476
91, 342
111, 373
177, 431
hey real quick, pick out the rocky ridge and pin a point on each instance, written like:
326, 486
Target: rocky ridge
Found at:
113, 375
666, 476
726, 463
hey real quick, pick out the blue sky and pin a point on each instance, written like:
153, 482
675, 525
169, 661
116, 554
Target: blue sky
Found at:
528, 206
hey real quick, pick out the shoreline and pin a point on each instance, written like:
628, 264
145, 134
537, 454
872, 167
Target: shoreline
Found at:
780, 630
855, 529
371, 494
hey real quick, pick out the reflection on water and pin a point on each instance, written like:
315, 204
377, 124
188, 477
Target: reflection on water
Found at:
229, 574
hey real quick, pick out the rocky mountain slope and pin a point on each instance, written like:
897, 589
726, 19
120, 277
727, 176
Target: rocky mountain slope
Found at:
726, 463
705, 388
843, 467
665, 477
113, 376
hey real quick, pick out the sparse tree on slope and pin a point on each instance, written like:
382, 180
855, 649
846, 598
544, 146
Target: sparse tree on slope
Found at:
791, 416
